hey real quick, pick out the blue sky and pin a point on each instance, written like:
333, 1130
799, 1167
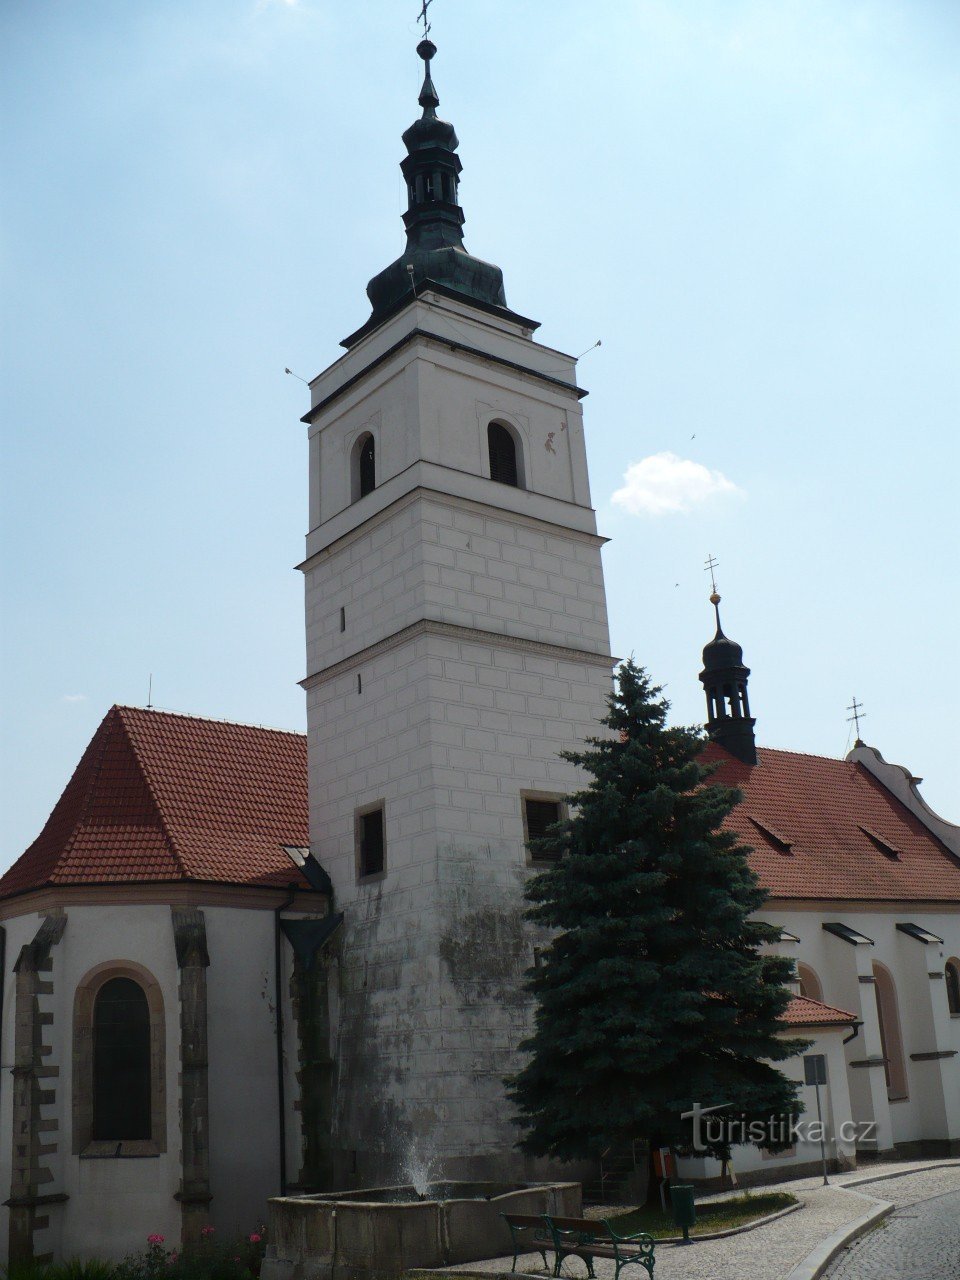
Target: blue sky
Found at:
752, 204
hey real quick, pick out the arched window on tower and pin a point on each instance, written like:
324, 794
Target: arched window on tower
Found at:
121, 1062
363, 467
952, 975
505, 455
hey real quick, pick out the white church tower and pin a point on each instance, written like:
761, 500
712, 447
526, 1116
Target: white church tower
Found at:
457, 642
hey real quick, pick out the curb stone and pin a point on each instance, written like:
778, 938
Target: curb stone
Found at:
815, 1263
900, 1173
731, 1231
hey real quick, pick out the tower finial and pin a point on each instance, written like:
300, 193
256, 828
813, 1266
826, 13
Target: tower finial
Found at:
858, 715
435, 256
712, 563
428, 95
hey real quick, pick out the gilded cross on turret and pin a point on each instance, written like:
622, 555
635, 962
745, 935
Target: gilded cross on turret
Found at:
712, 564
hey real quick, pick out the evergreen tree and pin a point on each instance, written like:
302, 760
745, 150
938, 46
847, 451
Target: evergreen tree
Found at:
652, 995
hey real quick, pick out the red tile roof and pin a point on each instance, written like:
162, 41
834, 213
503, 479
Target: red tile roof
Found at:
804, 1012
161, 797
848, 836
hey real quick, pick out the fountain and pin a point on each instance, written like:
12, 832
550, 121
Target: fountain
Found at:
379, 1232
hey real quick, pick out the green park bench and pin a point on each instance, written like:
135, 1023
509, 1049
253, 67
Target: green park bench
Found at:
529, 1233
584, 1238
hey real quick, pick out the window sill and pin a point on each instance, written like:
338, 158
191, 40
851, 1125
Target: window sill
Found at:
129, 1149
372, 878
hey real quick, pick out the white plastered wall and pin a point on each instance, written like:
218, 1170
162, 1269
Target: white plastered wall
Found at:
115, 1203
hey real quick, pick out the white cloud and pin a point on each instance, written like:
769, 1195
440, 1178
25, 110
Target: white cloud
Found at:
74, 697
664, 483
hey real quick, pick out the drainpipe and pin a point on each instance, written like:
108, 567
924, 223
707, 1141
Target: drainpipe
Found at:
281, 1091
854, 1033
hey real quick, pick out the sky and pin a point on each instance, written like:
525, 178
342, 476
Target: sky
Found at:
752, 204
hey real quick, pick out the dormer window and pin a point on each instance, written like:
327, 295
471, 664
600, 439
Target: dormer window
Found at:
885, 847
779, 842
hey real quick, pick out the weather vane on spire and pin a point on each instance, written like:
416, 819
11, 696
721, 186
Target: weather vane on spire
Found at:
422, 17
858, 714
712, 563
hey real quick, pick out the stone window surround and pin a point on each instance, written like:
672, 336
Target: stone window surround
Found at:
83, 1006
358, 814
553, 797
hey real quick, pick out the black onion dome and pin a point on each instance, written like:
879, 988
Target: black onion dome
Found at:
435, 253
722, 652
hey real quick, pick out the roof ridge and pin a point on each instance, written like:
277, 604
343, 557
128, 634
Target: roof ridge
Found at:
806, 755
191, 715
148, 782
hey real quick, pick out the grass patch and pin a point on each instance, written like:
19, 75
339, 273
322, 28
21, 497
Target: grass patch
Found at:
721, 1215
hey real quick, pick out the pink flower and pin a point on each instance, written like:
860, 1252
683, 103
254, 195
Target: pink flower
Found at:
206, 1231
255, 1238
155, 1239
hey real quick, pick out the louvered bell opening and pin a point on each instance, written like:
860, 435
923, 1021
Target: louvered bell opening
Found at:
503, 455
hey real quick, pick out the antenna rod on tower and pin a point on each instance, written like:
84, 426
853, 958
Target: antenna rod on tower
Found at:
150, 692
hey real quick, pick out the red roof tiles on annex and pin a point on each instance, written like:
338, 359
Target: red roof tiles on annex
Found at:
825, 809
804, 1012
159, 796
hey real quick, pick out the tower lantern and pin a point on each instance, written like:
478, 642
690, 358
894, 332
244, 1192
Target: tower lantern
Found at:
724, 678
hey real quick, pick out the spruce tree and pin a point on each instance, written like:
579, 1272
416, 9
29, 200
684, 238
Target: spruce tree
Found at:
652, 995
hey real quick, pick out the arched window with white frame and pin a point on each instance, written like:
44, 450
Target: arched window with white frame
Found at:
363, 467
505, 454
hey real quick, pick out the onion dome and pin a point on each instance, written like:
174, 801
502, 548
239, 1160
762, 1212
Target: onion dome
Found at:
435, 254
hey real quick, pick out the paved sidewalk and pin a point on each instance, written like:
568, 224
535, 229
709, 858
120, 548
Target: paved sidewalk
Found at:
771, 1252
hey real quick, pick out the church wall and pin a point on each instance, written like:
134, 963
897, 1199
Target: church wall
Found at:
241, 1030
930, 1111
113, 1203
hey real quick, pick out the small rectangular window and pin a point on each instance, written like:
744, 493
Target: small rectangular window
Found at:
343, 618
539, 814
370, 843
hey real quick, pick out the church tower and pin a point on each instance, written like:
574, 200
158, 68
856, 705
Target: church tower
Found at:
457, 642
724, 679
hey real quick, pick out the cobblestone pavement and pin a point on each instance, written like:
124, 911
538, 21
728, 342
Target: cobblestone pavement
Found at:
771, 1252
919, 1241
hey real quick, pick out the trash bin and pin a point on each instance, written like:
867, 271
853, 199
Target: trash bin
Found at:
684, 1209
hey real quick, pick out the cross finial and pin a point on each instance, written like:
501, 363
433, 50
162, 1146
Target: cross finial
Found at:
858, 715
710, 565
422, 17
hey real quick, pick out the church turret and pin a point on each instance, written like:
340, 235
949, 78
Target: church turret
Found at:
435, 252
724, 679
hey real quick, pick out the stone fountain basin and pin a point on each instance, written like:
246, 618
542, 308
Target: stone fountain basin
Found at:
379, 1232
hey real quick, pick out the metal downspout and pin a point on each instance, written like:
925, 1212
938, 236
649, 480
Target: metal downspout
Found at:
281, 1089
